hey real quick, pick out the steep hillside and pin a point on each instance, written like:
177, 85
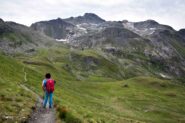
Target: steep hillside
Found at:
168, 45
15, 102
57, 29
19, 38
164, 38
110, 37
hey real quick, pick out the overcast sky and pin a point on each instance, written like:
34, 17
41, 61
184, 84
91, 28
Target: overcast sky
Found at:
170, 12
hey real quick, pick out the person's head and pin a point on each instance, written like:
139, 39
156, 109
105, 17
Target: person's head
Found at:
48, 75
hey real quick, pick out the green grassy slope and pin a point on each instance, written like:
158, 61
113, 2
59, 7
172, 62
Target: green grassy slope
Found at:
146, 99
15, 102
90, 88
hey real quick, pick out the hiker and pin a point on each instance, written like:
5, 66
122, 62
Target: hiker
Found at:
48, 88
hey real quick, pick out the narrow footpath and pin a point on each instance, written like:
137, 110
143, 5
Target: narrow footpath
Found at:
39, 114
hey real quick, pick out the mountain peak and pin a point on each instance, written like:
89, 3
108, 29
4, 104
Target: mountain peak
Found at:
86, 18
182, 30
93, 16
151, 21
146, 24
59, 18
1, 20
182, 33
90, 15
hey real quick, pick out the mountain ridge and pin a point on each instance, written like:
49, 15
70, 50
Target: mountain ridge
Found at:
86, 18
159, 43
156, 40
16, 37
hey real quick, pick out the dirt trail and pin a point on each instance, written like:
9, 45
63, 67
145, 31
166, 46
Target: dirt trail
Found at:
40, 114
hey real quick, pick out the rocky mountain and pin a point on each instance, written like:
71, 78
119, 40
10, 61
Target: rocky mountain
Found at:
163, 37
64, 28
145, 28
56, 29
147, 43
113, 37
160, 43
15, 37
168, 45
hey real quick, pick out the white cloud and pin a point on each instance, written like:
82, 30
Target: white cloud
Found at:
170, 12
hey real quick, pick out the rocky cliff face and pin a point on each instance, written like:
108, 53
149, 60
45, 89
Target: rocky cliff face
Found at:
57, 29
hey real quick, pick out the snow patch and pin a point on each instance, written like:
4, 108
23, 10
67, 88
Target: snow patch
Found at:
81, 28
128, 25
152, 28
142, 32
165, 76
62, 40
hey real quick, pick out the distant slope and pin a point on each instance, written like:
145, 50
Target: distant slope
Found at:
63, 28
168, 45
116, 37
167, 41
19, 38
57, 29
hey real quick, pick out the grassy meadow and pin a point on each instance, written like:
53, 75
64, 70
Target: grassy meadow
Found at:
90, 89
